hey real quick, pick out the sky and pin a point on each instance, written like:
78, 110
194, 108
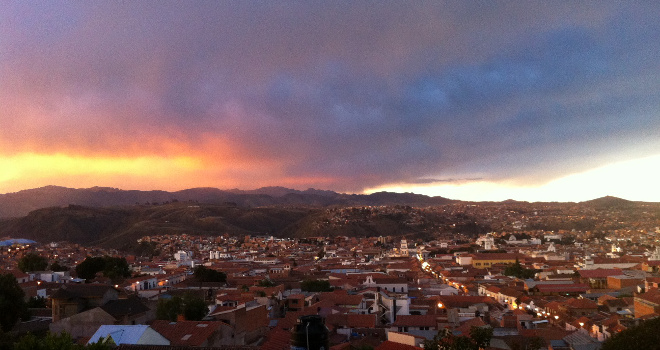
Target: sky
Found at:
472, 100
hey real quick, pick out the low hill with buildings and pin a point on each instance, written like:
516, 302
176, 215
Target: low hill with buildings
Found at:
116, 218
20, 203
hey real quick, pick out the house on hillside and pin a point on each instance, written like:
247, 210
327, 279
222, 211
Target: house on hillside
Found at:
71, 299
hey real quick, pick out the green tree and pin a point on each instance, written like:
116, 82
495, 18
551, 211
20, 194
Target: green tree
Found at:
146, 249
55, 266
12, 303
169, 309
481, 336
6, 341
194, 308
36, 302
535, 343
52, 341
90, 267
204, 274
190, 306
32, 262
643, 336
266, 282
517, 270
316, 286
114, 268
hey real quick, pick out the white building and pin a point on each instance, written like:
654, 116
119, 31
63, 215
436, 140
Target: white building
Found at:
182, 255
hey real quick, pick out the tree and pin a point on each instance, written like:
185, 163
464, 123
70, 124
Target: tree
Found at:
6, 341
116, 268
194, 308
60, 341
169, 309
32, 262
36, 302
190, 306
481, 336
204, 274
113, 268
55, 266
266, 282
145, 248
90, 267
316, 286
12, 303
517, 270
643, 336
535, 343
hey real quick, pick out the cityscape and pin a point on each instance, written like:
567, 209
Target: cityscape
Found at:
574, 287
329, 175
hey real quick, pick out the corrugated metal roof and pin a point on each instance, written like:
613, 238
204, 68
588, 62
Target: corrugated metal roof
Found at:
120, 334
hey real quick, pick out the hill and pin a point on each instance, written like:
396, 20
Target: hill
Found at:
609, 202
120, 227
21, 203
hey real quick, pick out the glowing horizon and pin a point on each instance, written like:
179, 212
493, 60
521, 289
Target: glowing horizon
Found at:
538, 100
634, 180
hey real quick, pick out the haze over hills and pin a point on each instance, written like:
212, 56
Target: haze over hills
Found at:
20, 203
116, 218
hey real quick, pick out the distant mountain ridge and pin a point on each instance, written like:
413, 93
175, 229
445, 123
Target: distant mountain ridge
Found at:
116, 218
21, 203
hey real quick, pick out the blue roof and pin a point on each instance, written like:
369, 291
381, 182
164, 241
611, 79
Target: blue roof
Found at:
11, 242
121, 334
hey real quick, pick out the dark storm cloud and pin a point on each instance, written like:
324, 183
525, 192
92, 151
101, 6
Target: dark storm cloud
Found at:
367, 93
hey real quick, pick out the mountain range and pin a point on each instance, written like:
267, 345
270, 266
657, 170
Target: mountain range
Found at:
20, 203
117, 218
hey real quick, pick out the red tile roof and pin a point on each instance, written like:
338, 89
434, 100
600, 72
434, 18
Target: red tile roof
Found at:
581, 304
415, 321
599, 273
342, 298
390, 345
562, 288
653, 296
188, 333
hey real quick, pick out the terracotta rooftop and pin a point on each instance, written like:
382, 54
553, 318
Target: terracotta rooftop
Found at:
599, 273
415, 321
187, 333
390, 345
